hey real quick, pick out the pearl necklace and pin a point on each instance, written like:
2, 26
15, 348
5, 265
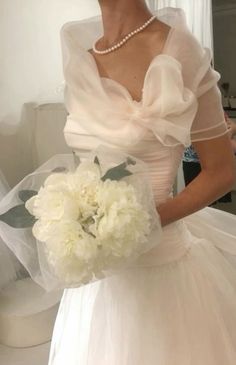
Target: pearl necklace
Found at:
125, 39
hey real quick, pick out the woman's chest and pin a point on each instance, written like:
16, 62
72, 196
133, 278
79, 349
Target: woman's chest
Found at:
127, 71
129, 64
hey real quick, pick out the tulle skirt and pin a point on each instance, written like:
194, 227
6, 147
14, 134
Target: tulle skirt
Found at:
179, 312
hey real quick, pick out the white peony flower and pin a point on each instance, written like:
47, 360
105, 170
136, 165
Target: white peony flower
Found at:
42, 230
59, 180
84, 188
51, 204
67, 238
121, 222
69, 249
88, 171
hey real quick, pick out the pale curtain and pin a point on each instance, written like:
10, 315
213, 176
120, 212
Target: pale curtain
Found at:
198, 14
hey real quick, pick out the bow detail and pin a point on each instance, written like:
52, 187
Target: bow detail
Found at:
168, 108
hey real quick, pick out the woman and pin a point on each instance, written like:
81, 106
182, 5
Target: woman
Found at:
151, 95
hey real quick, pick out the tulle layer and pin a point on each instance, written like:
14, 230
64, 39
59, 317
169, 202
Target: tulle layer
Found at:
31, 253
179, 313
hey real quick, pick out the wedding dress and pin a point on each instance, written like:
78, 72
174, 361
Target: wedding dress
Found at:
176, 304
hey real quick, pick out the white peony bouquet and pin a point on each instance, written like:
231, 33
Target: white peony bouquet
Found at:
93, 220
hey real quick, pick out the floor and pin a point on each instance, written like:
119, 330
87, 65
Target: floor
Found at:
228, 207
37, 355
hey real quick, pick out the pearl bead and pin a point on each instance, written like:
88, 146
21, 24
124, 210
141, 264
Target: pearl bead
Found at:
124, 40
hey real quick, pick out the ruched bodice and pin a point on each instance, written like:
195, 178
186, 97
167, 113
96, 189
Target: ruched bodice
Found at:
162, 163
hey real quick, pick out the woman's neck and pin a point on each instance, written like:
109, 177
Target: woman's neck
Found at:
121, 17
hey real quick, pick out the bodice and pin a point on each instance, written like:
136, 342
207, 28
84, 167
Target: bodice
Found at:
162, 161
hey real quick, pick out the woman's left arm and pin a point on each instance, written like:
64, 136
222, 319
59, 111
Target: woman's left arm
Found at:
216, 178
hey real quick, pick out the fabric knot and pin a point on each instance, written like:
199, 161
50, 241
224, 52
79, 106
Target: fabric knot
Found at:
137, 112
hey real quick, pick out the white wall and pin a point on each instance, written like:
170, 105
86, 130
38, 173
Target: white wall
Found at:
30, 58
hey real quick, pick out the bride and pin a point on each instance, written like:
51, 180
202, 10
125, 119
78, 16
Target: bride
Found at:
140, 82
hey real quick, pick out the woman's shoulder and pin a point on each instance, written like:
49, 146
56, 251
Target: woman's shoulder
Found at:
193, 58
187, 50
80, 34
184, 43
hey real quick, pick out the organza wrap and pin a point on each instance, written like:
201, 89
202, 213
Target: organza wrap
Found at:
180, 101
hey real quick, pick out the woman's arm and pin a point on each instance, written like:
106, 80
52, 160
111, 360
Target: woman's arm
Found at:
216, 178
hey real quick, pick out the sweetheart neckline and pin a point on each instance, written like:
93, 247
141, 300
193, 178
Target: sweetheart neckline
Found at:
159, 55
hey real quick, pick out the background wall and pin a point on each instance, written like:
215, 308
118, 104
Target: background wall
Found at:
224, 27
30, 61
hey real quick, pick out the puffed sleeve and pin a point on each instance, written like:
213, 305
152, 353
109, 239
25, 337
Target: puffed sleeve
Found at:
209, 121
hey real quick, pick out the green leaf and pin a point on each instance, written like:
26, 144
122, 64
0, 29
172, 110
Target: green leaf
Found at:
25, 195
96, 160
59, 169
116, 174
130, 161
120, 171
18, 217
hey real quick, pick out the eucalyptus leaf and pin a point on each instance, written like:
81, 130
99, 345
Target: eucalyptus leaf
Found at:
25, 195
130, 161
18, 217
116, 174
59, 169
96, 160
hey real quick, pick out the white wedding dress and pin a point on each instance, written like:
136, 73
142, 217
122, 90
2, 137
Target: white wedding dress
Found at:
176, 305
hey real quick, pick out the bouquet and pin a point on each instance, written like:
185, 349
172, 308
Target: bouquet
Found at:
90, 221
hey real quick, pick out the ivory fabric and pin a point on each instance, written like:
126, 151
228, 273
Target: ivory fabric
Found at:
177, 304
